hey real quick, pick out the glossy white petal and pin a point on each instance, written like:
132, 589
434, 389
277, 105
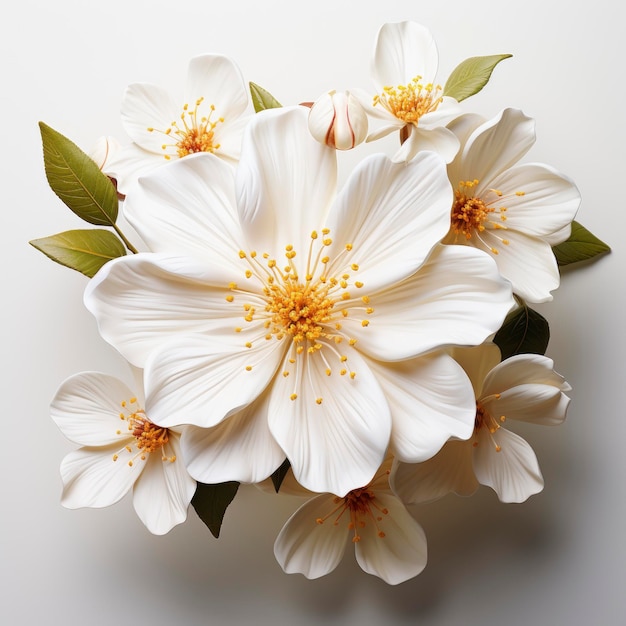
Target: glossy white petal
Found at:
219, 81
162, 493
549, 203
91, 478
494, 147
239, 448
536, 403
306, 547
392, 215
477, 361
398, 555
439, 140
462, 126
450, 470
188, 208
527, 262
513, 472
142, 300
454, 298
147, 106
86, 408
337, 445
431, 399
198, 380
285, 181
129, 163
403, 51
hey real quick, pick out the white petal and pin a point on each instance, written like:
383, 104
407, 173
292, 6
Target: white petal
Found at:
91, 478
527, 262
454, 298
229, 136
217, 80
495, 146
477, 361
392, 215
307, 547
431, 399
142, 300
196, 380
188, 208
147, 106
286, 181
535, 403
448, 471
398, 555
549, 203
439, 140
513, 472
129, 163
239, 448
162, 493
87, 406
338, 445
403, 51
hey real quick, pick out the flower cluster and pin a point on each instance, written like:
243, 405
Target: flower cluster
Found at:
358, 347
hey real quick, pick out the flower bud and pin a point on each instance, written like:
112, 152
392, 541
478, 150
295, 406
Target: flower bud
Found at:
103, 150
338, 120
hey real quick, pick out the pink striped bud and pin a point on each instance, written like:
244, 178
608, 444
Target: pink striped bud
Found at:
338, 120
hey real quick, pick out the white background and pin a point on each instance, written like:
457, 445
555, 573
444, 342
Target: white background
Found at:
558, 559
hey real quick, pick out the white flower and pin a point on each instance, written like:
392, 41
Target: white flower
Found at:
408, 98
388, 541
208, 119
338, 120
309, 305
121, 449
523, 387
513, 212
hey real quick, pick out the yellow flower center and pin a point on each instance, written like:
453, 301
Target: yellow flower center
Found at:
195, 134
472, 215
143, 436
362, 507
307, 309
484, 419
410, 102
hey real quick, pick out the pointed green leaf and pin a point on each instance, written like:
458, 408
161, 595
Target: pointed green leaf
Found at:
85, 251
279, 475
524, 331
262, 99
580, 246
77, 180
211, 502
471, 75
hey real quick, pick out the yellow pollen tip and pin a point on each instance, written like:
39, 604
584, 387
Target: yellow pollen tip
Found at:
293, 396
318, 400
365, 323
248, 368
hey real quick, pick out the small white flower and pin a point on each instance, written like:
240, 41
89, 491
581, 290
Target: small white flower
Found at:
408, 98
523, 387
515, 213
388, 541
305, 315
209, 118
122, 450
338, 120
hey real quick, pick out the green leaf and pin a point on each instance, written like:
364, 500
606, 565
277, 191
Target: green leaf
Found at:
471, 75
524, 331
85, 251
77, 180
279, 475
580, 246
211, 502
262, 99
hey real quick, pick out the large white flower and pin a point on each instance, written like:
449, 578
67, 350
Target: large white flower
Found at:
408, 99
523, 387
388, 541
314, 307
209, 118
514, 212
121, 450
